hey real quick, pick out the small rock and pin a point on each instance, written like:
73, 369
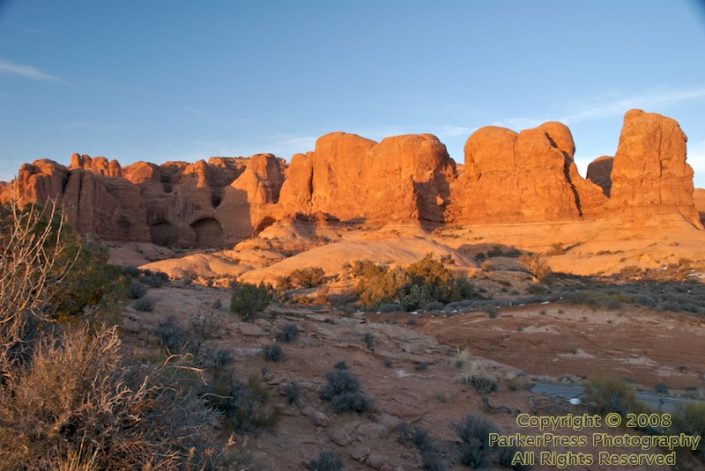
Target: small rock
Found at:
376, 461
253, 330
359, 453
388, 420
317, 417
343, 434
371, 431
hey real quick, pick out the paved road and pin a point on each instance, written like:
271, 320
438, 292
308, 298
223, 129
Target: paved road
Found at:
663, 402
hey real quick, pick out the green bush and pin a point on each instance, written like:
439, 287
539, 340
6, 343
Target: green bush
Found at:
419, 284
91, 281
604, 394
249, 300
690, 419
136, 290
143, 305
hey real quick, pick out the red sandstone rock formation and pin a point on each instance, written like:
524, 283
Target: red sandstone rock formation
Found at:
506, 177
348, 177
530, 176
650, 174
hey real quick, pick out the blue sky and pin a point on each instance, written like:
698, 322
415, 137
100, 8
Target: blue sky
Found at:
184, 80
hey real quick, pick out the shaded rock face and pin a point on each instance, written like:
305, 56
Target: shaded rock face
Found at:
699, 199
526, 176
506, 177
650, 174
600, 173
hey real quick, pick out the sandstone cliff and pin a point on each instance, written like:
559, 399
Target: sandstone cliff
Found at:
509, 177
650, 174
522, 177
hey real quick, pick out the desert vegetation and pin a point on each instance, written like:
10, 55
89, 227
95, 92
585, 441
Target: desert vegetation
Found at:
70, 397
416, 286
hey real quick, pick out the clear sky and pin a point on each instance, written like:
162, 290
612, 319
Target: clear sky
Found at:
184, 80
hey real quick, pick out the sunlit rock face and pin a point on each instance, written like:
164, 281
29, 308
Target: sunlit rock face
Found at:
506, 177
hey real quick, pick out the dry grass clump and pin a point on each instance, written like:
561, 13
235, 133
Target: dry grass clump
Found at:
471, 372
69, 399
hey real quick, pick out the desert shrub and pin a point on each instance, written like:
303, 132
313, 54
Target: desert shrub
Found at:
472, 373
273, 352
597, 298
78, 402
339, 382
206, 323
143, 305
414, 287
246, 407
483, 384
604, 394
216, 360
292, 392
154, 279
79, 274
505, 456
69, 399
412, 436
289, 333
351, 402
389, 307
473, 432
690, 419
481, 256
417, 437
306, 277
661, 388
491, 311
326, 461
369, 340
343, 392
341, 365
136, 290
249, 300
170, 335
538, 289
131, 271
536, 265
